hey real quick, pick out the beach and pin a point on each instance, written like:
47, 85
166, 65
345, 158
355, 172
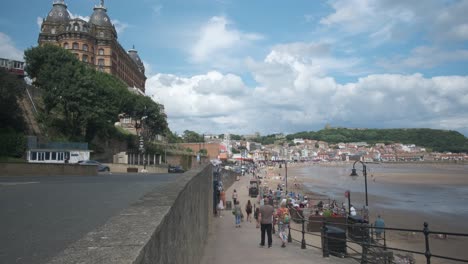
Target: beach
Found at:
405, 195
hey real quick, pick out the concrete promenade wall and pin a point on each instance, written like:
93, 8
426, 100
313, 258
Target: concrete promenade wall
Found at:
168, 225
118, 168
228, 177
35, 169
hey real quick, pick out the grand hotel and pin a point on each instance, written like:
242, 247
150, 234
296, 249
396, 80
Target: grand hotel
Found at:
93, 42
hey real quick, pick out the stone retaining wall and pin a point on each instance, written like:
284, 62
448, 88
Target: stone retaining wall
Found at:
122, 168
168, 225
39, 169
228, 177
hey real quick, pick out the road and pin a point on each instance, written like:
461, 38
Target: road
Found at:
41, 216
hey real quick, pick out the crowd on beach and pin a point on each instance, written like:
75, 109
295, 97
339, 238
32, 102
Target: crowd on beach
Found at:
274, 208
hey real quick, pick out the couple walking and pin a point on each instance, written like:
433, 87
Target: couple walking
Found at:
265, 218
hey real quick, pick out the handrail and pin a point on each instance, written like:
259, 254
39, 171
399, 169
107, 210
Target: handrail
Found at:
367, 241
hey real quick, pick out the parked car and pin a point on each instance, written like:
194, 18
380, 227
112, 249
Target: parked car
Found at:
100, 166
175, 169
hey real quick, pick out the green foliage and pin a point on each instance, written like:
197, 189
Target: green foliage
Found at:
437, 140
192, 137
203, 151
172, 137
235, 137
12, 143
85, 103
266, 140
11, 89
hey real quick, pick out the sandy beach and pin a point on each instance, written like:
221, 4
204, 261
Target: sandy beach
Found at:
410, 176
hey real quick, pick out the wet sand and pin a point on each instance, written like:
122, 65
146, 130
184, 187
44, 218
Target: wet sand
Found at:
409, 175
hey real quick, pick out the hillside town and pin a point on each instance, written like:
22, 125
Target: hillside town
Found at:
320, 151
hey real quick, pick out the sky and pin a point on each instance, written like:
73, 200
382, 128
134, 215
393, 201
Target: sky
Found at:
238, 66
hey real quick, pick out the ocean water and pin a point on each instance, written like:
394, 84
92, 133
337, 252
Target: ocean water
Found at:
425, 198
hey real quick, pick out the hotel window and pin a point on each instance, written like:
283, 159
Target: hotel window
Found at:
101, 52
33, 155
85, 58
65, 45
54, 155
60, 156
47, 155
76, 46
85, 47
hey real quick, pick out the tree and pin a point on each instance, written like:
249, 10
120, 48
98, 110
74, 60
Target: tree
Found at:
83, 102
12, 125
192, 137
11, 90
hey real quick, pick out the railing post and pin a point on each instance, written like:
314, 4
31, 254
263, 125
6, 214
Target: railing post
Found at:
385, 239
289, 233
364, 242
303, 243
426, 237
325, 251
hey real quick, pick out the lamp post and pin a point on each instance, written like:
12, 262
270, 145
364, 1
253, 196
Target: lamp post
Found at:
286, 172
364, 172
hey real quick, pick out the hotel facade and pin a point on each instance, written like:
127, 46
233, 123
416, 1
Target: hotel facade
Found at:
93, 42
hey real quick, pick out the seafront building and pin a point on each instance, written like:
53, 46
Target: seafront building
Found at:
94, 42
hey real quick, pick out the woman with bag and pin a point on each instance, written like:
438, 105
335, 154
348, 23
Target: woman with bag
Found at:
248, 210
220, 208
237, 212
283, 222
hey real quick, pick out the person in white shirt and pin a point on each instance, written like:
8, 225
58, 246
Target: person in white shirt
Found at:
352, 211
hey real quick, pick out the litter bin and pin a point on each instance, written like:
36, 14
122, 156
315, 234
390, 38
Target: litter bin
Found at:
228, 205
358, 229
336, 241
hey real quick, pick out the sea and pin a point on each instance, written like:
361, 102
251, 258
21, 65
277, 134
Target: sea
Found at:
426, 198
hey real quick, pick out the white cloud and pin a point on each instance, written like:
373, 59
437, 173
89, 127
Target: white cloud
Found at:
293, 94
425, 57
218, 37
385, 20
73, 16
8, 49
119, 26
39, 21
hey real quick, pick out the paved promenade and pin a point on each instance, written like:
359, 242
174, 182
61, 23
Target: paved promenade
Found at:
228, 244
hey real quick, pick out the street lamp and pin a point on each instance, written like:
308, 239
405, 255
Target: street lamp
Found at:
364, 172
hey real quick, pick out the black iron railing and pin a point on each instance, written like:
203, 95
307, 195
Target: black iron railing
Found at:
344, 240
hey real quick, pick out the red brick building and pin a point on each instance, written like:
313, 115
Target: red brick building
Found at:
93, 42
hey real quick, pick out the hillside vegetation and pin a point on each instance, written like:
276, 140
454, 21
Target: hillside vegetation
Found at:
434, 139
77, 103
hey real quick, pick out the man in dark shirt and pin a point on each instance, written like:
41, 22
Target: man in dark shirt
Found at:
266, 220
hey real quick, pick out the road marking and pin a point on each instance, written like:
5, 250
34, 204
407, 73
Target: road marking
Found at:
15, 183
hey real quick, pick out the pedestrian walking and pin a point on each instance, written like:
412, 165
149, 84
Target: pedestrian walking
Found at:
220, 208
283, 217
266, 219
234, 197
257, 211
237, 212
379, 226
248, 210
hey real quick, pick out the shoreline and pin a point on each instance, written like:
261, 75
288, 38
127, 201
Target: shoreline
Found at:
397, 217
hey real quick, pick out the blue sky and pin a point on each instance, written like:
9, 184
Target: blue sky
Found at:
286, 66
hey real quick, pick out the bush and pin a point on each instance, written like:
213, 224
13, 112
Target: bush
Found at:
12, 144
